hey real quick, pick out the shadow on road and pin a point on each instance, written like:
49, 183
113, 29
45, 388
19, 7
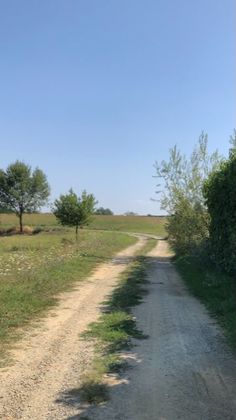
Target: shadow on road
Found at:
118, 383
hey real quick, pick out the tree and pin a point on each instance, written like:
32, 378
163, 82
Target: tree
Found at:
232, 141
74, 211
103, 211
23, 190
182, 181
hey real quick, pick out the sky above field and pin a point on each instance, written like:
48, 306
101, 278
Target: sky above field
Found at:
94, 91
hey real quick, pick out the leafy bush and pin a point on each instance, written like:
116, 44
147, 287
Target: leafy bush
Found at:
220, 194
182, 180
188, 227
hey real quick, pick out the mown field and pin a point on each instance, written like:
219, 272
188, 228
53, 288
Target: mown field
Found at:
142, 224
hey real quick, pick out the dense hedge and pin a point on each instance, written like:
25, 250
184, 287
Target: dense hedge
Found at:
220, 195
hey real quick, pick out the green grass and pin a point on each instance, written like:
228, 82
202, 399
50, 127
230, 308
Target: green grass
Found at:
116, 328
35, 269
140, 224
93, 391
215, 289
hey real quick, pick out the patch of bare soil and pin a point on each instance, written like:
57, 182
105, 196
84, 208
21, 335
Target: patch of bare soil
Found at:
49, 361
184, 370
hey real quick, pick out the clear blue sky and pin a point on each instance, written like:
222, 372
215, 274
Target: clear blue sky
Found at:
94, 91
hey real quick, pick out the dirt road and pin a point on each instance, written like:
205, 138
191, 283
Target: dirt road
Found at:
52, 357
184, 370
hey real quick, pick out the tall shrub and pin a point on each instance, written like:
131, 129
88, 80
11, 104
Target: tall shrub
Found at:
220, 195
181, 185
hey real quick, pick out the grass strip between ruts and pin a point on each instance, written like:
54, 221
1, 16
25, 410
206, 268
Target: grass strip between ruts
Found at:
116, 328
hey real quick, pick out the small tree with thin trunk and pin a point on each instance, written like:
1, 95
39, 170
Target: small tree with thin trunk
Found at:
74, 211
23, 190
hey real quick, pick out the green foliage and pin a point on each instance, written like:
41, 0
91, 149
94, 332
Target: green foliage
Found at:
188, 227
220, 194
5, 210
75, 211
22, 190
103, 211
182, 180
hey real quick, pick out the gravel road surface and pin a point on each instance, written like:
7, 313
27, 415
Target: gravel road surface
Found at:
184, 370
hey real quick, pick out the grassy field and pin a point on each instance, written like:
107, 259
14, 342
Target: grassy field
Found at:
142, 224
215, 289
33, 269
40, 219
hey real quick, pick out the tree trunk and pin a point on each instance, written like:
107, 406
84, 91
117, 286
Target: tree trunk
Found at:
76, 233
21, 222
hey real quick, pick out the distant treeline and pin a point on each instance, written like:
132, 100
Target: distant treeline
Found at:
103, 211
